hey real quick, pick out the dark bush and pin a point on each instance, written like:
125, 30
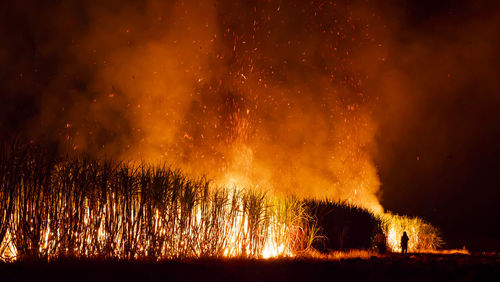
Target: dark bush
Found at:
342, 225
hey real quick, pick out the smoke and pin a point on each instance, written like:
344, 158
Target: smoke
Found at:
285, 95
437, 118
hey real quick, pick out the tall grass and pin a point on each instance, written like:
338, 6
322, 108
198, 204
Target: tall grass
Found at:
423, 236
343, 226
52, 206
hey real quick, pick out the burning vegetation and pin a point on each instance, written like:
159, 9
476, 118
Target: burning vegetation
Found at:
276, 102
82, 208
77, 207
423, 236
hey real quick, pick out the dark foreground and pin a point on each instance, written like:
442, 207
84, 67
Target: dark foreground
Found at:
426, 267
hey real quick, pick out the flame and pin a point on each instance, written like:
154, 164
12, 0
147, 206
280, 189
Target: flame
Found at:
230, 221
233, 230
423, 237
222, 96
272, 247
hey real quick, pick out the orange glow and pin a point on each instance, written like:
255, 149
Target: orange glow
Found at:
423, 237
283, 116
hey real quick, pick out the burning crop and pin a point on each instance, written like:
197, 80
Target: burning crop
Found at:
83, 208
423, 236
64, 206
269, 111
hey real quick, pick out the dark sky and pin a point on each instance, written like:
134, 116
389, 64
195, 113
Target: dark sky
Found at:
435, 98
439, 158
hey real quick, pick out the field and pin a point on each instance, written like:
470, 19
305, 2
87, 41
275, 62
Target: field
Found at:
413, 267
54, 206
77, 219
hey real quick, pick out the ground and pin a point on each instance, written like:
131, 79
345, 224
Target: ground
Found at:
413, 267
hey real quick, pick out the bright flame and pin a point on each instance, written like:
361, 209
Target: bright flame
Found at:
423, 237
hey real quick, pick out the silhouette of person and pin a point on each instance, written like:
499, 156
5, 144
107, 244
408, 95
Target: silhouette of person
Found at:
404, 243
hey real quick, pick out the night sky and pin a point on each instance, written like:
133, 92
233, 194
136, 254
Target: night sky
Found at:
445, 150
433, 99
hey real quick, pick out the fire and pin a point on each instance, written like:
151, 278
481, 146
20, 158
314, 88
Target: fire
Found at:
86, 208
129, 212
272, 247
236, 241
423, 236
218, 95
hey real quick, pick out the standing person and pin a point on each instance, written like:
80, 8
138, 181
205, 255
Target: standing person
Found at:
404, 243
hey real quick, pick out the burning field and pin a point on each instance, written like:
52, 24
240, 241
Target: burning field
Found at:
56, 206
280, 131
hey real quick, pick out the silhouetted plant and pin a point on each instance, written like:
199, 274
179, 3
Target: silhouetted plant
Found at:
342, 225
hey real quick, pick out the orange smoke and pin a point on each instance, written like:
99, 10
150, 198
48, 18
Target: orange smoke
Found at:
256, 94
249, 101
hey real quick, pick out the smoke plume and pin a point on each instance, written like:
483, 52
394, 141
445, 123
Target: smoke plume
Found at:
284, 95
